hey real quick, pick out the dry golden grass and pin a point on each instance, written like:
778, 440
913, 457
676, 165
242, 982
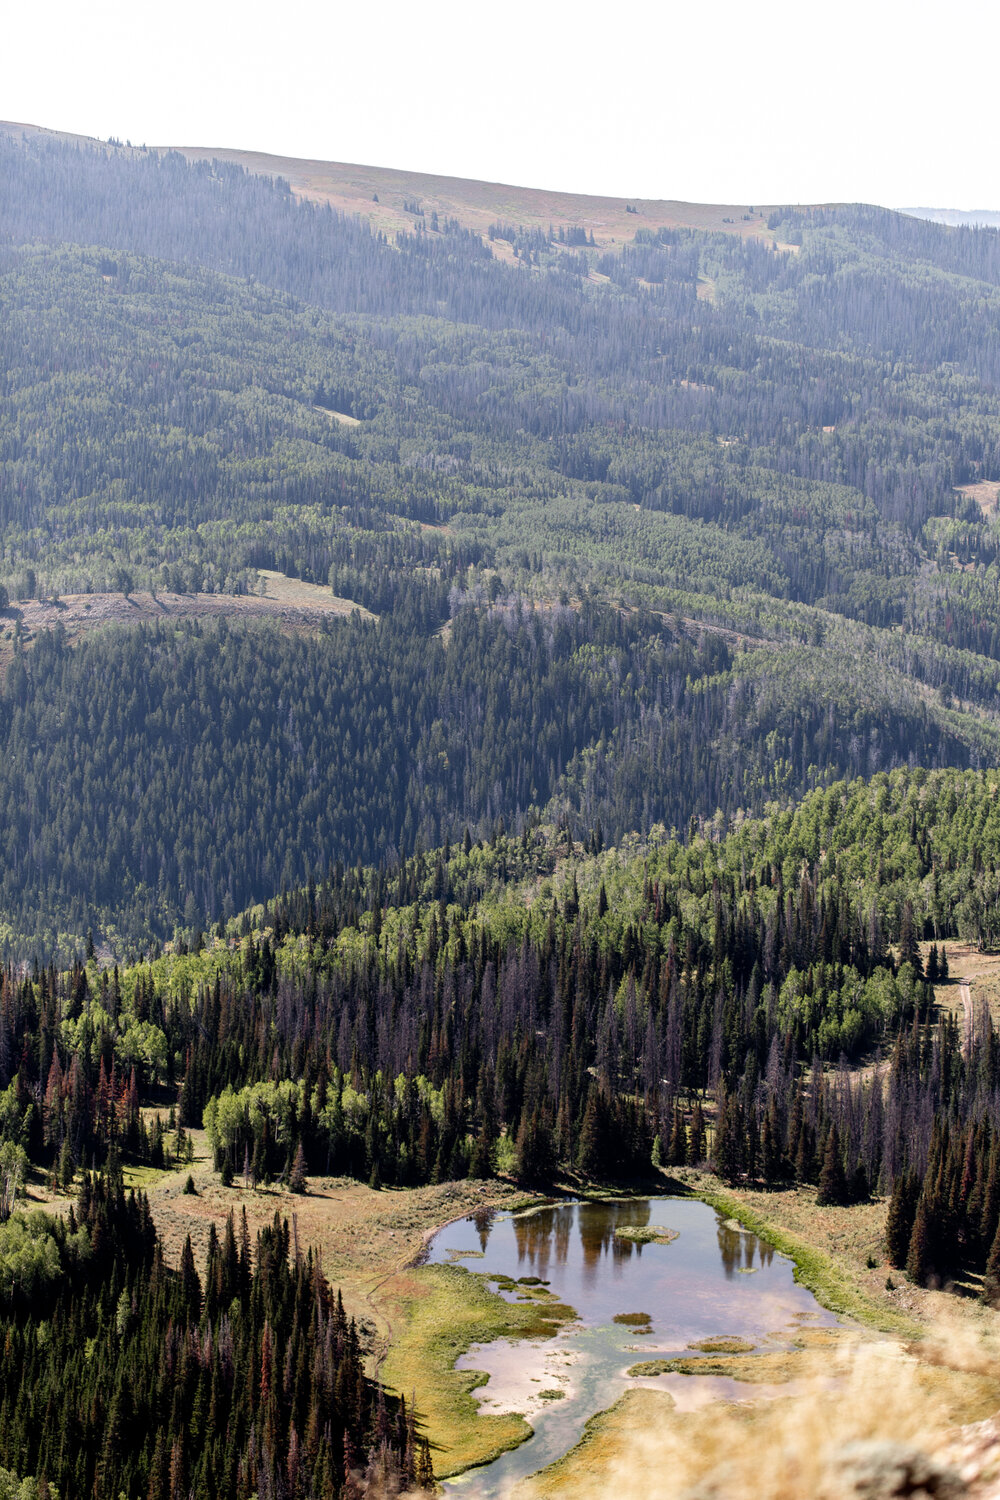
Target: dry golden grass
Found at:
985, 494
296, 605
339, 416
352, 188
857, 1388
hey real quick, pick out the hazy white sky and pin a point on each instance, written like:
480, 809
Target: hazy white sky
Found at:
728, 102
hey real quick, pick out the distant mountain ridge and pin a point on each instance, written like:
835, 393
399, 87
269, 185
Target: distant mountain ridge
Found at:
394, 199
972, 218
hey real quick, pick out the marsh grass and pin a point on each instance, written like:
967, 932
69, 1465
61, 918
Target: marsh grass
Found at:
438, 1312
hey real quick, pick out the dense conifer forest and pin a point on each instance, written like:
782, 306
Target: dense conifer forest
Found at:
142, 1379
527, 1006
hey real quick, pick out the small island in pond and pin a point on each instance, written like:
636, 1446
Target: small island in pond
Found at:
646, 1234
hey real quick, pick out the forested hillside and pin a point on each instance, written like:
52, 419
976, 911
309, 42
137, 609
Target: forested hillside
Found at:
526, 1006
654, 535
161, 777
157, 1382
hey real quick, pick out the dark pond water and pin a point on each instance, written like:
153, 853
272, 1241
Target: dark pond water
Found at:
714, 1280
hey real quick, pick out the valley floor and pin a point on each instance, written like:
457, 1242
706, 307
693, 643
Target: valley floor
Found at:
935, 1353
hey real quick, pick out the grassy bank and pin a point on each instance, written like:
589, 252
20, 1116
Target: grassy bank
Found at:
768, 1450
611, 1445
437, 1313
838, 1278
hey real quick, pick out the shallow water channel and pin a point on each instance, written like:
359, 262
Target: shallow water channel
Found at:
714, 1280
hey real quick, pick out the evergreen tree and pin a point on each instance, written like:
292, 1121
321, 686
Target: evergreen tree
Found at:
769, 1154
297, 1181
678, 1148
592, 1150
899, 1222
991, 1280
697, 1148
920, 1253
832, 1182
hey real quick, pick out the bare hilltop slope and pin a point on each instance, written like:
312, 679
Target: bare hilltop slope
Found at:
387, 197
477, 205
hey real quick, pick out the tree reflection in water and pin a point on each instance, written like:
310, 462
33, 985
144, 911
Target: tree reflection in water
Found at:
737, 1247
544, 1236
483, 1220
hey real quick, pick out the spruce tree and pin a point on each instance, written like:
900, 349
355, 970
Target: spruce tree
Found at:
481, 1161
591, 1155
832, 1182
678, 1148
919, 1257
909, 948
297, 1181
991, 1280
696, 1146
899, 1220
727, 1152
425, 1469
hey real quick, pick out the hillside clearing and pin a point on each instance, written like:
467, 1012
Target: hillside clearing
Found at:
985, 494
297, 605
968, 965
338, 416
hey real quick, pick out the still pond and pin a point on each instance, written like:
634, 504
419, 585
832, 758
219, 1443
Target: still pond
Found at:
712, 1280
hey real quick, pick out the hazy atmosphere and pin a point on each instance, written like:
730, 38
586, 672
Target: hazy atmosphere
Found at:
772, 103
